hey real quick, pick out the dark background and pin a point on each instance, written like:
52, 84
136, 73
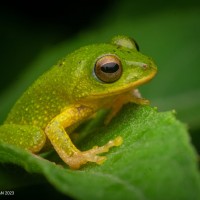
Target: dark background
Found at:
28, 28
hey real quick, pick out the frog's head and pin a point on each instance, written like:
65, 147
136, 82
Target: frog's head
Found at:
109, 69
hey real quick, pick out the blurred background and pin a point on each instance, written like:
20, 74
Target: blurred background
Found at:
34, 36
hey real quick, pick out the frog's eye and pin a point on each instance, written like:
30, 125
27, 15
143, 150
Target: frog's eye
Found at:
108, 69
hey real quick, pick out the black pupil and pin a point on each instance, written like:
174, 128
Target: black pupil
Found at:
111, 67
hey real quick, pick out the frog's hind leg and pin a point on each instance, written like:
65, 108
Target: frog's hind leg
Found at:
24, 136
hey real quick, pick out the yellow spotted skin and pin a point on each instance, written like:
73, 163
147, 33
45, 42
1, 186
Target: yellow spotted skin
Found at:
71, 92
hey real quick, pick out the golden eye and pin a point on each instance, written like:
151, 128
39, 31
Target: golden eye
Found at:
108, 69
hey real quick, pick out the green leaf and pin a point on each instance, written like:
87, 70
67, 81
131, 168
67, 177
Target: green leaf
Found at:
155, 161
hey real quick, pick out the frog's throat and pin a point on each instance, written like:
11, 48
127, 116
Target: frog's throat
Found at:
125, 88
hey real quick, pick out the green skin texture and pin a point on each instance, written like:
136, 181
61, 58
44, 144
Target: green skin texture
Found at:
71, 81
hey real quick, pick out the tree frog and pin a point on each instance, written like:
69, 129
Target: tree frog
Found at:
89, 79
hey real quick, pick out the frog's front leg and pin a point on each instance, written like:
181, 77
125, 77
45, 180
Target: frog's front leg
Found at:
133, 96
62, 143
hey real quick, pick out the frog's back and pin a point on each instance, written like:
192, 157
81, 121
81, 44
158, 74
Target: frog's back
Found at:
41, 102
49, 94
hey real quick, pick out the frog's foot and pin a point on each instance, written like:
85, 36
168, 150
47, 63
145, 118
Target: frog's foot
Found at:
81, 158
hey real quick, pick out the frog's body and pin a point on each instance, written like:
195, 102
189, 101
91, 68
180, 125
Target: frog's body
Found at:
91, 78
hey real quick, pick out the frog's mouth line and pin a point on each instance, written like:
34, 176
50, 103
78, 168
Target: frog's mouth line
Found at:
124, 89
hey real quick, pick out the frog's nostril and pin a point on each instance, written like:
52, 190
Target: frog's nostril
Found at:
144, 66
